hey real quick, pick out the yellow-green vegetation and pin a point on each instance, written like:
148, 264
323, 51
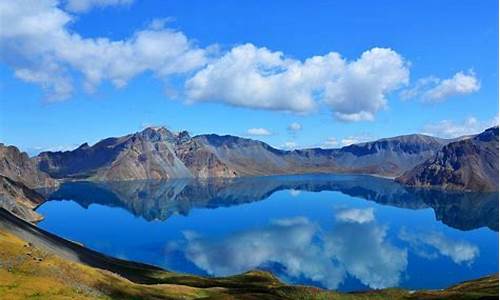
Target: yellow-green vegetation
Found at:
30, 272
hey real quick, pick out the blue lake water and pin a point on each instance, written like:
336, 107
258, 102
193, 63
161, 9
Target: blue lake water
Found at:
333, 231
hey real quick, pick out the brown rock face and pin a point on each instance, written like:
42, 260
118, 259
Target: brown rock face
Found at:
149, 154
202, 162
470, 164
19, 167
19, 199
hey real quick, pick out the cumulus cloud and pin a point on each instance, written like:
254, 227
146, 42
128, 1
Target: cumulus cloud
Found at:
426, 245
37, 44
433, 89
258, 132
249, 76
81, 6
451, 129
361, 89
294, 127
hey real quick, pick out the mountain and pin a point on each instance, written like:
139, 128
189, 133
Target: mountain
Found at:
19, 199
19, 167
149, 154
470, 164
389, 156
157, 153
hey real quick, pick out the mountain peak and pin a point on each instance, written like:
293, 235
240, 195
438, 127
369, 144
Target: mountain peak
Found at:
83, 146
183, 136
156, 134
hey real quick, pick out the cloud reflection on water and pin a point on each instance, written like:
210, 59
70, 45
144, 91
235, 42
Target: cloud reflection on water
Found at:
356, 246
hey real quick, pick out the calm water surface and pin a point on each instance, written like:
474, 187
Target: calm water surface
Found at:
337, 232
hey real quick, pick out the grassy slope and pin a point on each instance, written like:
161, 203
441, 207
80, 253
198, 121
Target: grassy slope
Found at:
27, 271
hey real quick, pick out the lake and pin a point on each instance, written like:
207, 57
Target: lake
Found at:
338, 232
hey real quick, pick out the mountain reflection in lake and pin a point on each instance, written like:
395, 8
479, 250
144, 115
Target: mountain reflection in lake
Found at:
338, 232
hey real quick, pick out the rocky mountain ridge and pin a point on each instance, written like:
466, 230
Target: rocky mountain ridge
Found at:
470, 164
18, 166
157, 153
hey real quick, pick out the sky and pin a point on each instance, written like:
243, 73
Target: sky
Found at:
294, 74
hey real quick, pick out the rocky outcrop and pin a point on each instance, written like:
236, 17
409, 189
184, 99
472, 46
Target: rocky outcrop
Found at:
149, 154
156, 153
470, 164
19, 199
19, 167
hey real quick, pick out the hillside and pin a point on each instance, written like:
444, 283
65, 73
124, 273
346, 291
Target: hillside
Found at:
19, 199
19, 167
470, 164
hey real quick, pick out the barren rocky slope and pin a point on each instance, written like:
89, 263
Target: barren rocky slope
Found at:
19, 167
470, 164
19, 199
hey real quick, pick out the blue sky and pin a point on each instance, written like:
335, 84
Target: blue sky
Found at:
76, 71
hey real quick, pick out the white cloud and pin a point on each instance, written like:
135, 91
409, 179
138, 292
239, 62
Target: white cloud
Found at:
254, 77
459, 84
433, 89
330, 143
451, 129
361, 89
290, 145
37, 44
258, 132
425, 243
419, 87
294, 127
80, 6
356, 215
355, 139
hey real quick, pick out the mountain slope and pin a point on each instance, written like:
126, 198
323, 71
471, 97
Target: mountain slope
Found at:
19, 199
390, 156
470, 164
157, 153
19, 167
144, 155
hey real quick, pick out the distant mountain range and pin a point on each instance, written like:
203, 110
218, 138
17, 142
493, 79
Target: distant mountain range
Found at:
467, 163
157, 153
